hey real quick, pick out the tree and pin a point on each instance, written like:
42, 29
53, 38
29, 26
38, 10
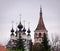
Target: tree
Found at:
37, 47
30, 44
45, 43
20, 44
55, 43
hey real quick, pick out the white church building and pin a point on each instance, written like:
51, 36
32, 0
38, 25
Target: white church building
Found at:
17, 35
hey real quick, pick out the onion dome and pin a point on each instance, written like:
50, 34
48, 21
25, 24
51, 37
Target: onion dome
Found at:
28, 30
20, 26
24, 30
12, 30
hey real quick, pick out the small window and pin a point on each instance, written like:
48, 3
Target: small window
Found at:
39, 34
44, 34
35, 33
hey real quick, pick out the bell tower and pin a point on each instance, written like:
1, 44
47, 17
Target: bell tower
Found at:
40, 29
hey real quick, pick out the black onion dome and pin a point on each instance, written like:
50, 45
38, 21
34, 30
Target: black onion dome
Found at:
12, 30
24, 30
20, 26
28, 31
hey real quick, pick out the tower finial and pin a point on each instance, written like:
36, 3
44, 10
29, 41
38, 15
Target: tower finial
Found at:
12, 23
40, 6
16, 25
28, 28
24, 23
24, 30
12, 30
20, 17
29, 25
16, 30
40, 9
20, 26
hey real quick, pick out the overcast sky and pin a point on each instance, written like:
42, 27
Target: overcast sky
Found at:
11, 9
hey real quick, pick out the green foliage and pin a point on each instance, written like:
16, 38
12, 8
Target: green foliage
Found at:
46, 46
7, 49
20, 45
30, 44
15, 50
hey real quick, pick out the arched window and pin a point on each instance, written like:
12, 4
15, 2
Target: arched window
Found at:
39, 34
44, 34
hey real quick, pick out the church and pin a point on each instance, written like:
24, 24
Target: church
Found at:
20, 34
